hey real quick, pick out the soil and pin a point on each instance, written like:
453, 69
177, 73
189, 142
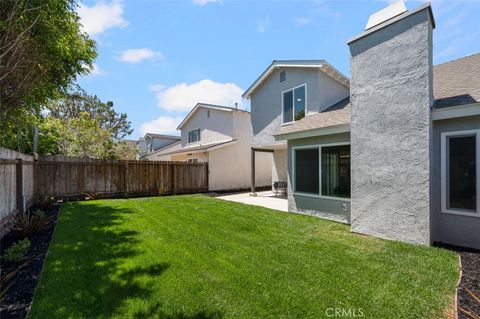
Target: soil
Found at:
18, 299
470, 280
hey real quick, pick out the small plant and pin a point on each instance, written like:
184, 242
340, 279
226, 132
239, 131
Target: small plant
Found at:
28, 223
18, 251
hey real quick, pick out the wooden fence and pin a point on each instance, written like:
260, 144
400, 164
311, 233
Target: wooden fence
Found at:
24, 178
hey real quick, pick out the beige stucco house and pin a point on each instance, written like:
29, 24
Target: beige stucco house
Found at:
221, 136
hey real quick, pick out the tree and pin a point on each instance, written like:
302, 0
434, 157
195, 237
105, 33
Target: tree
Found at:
42, 50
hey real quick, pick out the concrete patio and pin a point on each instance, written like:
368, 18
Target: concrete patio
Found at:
265, 199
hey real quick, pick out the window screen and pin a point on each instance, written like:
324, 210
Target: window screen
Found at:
307, 171
461, 173
194, 136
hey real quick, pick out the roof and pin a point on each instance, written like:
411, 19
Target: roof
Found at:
169, 137
323, 65
457, 82
208, 106
164, 148
207, 147
337, 114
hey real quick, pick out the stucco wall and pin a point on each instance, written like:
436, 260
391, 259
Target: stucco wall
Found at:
448, 228
216, 128
230, 166
279, 165
390, 87
334, 209
266, 101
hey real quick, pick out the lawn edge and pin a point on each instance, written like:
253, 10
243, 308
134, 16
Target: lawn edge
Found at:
44, 261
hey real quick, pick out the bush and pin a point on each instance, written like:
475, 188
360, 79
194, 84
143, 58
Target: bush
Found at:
29, 223
18, 251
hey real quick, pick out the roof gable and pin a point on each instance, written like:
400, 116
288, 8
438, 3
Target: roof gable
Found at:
207, 106
322, 65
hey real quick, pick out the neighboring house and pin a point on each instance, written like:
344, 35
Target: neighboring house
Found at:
394, 152
221, 136
152, 142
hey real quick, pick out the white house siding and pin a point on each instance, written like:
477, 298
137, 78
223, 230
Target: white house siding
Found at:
216, 128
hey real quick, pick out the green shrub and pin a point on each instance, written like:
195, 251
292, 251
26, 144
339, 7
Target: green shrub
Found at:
18, 251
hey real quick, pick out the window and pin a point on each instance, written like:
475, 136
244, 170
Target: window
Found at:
336, 171
460, 172
294, 104
283, 76
306, 171
322, 171
192, 160
194, 136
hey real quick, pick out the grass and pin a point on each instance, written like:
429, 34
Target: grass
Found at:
200, 257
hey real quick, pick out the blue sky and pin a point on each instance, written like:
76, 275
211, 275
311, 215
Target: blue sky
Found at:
158, 58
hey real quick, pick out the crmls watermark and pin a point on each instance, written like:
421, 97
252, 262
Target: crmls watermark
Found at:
344, 313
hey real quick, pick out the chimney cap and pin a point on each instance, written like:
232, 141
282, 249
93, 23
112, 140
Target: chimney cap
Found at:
385, 14
426, 6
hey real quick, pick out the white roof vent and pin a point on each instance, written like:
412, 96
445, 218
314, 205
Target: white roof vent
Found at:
388, 13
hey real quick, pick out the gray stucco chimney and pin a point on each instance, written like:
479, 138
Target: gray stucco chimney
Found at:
391, 96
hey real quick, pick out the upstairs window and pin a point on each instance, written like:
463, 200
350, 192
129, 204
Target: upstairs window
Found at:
194, 136
460, 173
294, 103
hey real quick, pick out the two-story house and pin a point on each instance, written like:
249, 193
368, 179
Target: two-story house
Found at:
395, 150
219, 135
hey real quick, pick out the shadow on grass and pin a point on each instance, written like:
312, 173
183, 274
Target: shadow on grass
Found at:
89, 272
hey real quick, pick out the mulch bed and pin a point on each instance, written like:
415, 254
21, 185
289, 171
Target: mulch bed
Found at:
470, 280
18, 298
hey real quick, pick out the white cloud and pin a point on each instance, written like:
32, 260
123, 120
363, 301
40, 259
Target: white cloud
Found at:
301, 21
183, 97
161, 125
204, 2
101, 17
263, 24
138, 55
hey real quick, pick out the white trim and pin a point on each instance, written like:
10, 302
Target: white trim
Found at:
293, 106
319, 147
205, 106
334, 129
443, 174
456, 111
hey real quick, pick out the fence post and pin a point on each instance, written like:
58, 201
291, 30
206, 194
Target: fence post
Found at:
206, 176
125, 187
19, 185
172, 181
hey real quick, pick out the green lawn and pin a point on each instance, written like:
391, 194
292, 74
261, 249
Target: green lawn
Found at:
200, 257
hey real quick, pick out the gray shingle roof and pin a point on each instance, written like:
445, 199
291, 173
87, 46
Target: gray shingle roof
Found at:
337, 114
457, 82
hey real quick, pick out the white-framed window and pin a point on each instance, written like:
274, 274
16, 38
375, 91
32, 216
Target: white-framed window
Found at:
322, 170
194, 136
192, 160
294, 104
460, 172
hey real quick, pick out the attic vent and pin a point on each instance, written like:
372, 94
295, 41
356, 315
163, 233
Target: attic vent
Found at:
388, 13
283, 76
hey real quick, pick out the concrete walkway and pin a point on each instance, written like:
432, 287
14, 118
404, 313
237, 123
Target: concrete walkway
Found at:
265, 199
